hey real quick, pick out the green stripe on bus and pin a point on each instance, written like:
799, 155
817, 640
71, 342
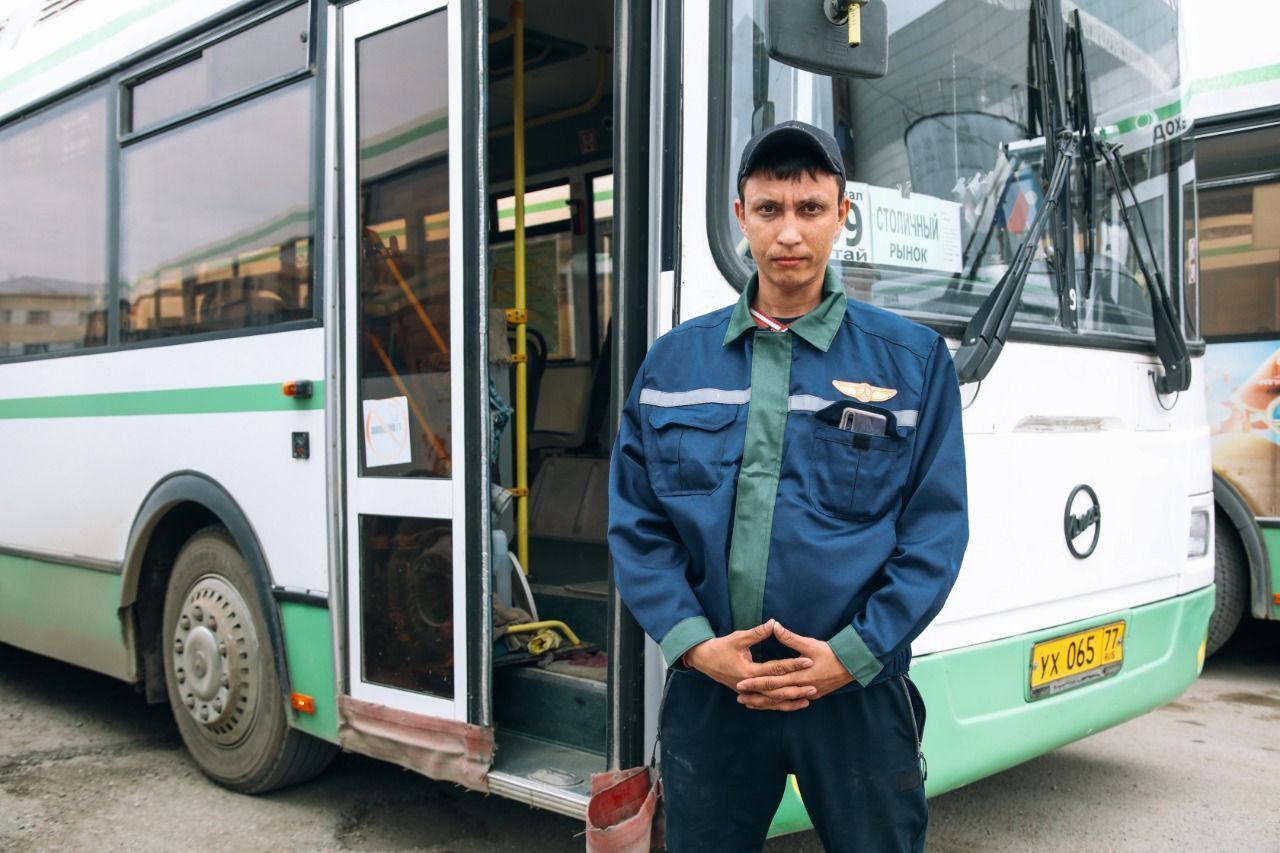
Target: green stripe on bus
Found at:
505, 212
308, 645
66, 612
413, 134
86, 41
1271, 536
1247, 77
173, 401
1227, 250
1142, 120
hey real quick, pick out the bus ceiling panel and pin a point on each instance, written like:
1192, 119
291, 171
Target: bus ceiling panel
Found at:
541, 50
566, 43
568, 24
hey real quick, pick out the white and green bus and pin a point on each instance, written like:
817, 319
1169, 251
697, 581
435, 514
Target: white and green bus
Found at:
274, 274
1235, 101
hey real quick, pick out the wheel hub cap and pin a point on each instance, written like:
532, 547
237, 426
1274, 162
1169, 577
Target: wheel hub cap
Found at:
215, 659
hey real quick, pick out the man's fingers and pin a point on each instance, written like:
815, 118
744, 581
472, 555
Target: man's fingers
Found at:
783, 666
763, 684
790, 638
758, 702
750, 636
788, 693
778, 668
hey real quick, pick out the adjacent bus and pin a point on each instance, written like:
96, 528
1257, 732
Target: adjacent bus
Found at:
1235, 99
316, 319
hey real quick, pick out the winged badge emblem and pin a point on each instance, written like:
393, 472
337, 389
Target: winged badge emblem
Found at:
864, 392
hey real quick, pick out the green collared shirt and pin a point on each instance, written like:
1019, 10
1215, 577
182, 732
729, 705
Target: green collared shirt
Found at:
762, 447
818, 327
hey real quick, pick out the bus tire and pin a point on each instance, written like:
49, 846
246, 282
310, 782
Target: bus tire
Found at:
220, 675
1231, 583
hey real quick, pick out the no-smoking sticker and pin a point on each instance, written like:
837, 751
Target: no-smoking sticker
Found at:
386, 432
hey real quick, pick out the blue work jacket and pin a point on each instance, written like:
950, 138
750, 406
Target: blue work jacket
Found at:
736, 495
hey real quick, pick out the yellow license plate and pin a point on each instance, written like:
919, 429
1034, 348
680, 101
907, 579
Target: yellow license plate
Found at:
1065, 662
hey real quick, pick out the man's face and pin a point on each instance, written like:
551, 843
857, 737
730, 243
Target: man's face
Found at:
791, 224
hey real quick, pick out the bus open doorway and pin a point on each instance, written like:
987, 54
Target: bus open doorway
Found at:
552, 428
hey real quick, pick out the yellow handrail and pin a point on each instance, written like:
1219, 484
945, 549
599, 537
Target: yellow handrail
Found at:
521, 491
548, 623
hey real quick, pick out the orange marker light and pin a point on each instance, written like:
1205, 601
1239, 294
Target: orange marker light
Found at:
304, 703
1278, 598
299, 389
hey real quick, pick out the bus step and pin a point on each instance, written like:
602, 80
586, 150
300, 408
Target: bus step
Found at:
554, 706
542, 774
585, 611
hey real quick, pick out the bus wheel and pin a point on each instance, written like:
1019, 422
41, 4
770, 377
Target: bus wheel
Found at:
1231, 582
220, 673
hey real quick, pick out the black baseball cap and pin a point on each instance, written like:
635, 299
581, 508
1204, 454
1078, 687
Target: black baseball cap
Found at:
793, 134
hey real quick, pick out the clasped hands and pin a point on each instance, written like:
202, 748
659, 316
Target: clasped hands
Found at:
785, 684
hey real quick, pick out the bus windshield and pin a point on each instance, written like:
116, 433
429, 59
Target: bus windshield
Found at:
946, 157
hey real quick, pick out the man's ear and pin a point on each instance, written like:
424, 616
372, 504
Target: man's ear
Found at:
843, 209
741, 212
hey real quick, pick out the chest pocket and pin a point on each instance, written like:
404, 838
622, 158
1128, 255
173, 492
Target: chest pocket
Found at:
858, 477
687, 447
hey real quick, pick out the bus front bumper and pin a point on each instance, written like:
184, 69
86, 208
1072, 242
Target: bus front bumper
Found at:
981, 720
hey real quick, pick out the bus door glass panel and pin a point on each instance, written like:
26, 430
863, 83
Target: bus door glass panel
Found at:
403, 420
1240, 282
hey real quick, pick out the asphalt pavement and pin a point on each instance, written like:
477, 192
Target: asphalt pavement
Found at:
85, 764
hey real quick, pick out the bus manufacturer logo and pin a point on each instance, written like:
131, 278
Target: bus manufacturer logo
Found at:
1082, 512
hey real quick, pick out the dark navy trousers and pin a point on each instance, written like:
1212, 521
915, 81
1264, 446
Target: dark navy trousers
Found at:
854, 754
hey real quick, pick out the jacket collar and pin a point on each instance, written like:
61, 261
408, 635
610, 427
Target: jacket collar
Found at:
818, 327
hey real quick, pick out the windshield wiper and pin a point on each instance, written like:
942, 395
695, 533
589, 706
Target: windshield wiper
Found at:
984, 337
1046, 24
1082, 122
1171, 345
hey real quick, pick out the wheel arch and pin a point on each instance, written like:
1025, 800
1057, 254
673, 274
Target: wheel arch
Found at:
175, 509
1228, 498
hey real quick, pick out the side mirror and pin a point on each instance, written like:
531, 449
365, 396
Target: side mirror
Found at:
813, 35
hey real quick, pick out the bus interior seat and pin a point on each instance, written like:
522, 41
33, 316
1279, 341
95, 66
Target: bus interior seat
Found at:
568, 513
560, 420
569, 499
577, 398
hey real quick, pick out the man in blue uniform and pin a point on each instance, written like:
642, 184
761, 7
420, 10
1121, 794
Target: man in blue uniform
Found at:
787, 513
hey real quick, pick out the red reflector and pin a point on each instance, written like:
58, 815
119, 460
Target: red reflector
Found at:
290, 389
304, 703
